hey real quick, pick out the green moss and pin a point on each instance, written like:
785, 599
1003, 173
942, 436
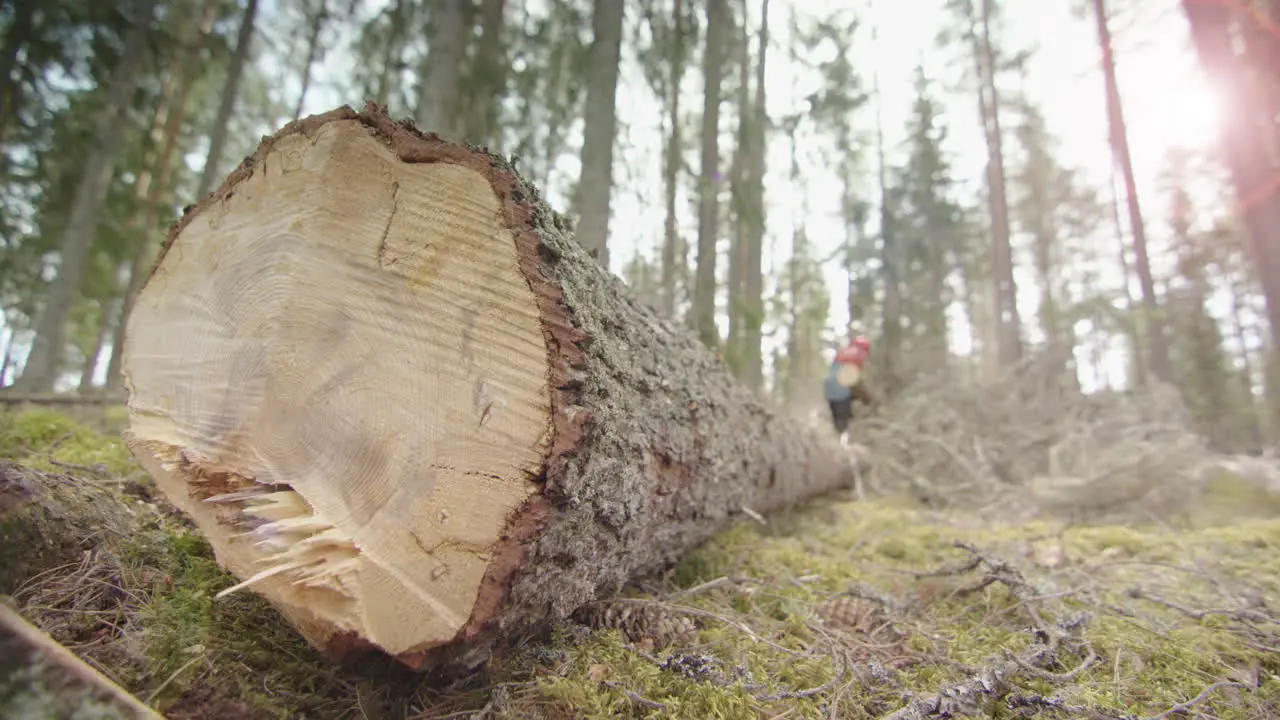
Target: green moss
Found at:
1228, 498
1140, 669
158, 629
596, 682
34, 436
185, 630
761, 645
1149, 656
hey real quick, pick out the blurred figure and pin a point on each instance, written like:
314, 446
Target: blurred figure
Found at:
844, 383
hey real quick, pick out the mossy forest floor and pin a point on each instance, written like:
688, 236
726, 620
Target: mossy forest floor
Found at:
844, 609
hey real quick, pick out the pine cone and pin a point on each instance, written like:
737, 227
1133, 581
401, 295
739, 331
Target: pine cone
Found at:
641, 621
851, 613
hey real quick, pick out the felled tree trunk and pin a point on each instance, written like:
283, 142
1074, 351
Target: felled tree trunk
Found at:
407, 409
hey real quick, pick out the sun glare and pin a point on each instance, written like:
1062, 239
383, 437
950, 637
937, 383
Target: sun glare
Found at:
1192, 114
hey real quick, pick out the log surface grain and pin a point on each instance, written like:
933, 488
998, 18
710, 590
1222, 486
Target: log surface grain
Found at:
650, 446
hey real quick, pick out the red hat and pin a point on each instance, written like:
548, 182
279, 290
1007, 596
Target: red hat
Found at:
855, 353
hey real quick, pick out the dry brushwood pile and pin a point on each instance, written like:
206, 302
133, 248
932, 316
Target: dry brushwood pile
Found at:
1028, 445
850, 609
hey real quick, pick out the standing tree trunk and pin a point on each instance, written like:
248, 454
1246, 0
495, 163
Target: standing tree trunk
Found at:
227, 105
144, 189
490, 74
472, 429
313, 51
1157, 345
736, 281
753, 302
1248, 126
15, 38
392, 53
704, 281
671, 244
157, 188
975, 311
1008, 324
1139, 365
47, 350
891, 330
596, 181
439, 94
6, 358
90, 364
1247, 370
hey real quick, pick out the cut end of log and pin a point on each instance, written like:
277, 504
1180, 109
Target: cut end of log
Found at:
340, 371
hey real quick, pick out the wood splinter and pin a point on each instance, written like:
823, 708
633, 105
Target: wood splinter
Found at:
408, 410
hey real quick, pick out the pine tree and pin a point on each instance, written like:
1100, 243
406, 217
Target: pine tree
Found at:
928, 233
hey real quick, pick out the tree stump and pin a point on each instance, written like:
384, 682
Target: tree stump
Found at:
410, 411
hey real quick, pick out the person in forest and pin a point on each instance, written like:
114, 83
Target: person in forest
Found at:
845, 383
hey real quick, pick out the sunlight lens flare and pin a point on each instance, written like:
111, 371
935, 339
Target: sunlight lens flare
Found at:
1193, 114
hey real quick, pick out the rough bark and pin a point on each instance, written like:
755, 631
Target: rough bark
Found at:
600, 126
1157, 345
674, 161
227, 104
704, 281
640, 445
439, 93
47, 350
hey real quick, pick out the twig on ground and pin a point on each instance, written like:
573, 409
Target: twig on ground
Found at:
1012, 578
1068, 676
635, 697
98, 469
173, 676
974, 587
1242, 614
1016, 700
997, 677
949, 569
719, 582
960, 697
837, 658
1203, 696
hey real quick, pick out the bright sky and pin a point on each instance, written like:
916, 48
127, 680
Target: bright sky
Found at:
1166, 104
